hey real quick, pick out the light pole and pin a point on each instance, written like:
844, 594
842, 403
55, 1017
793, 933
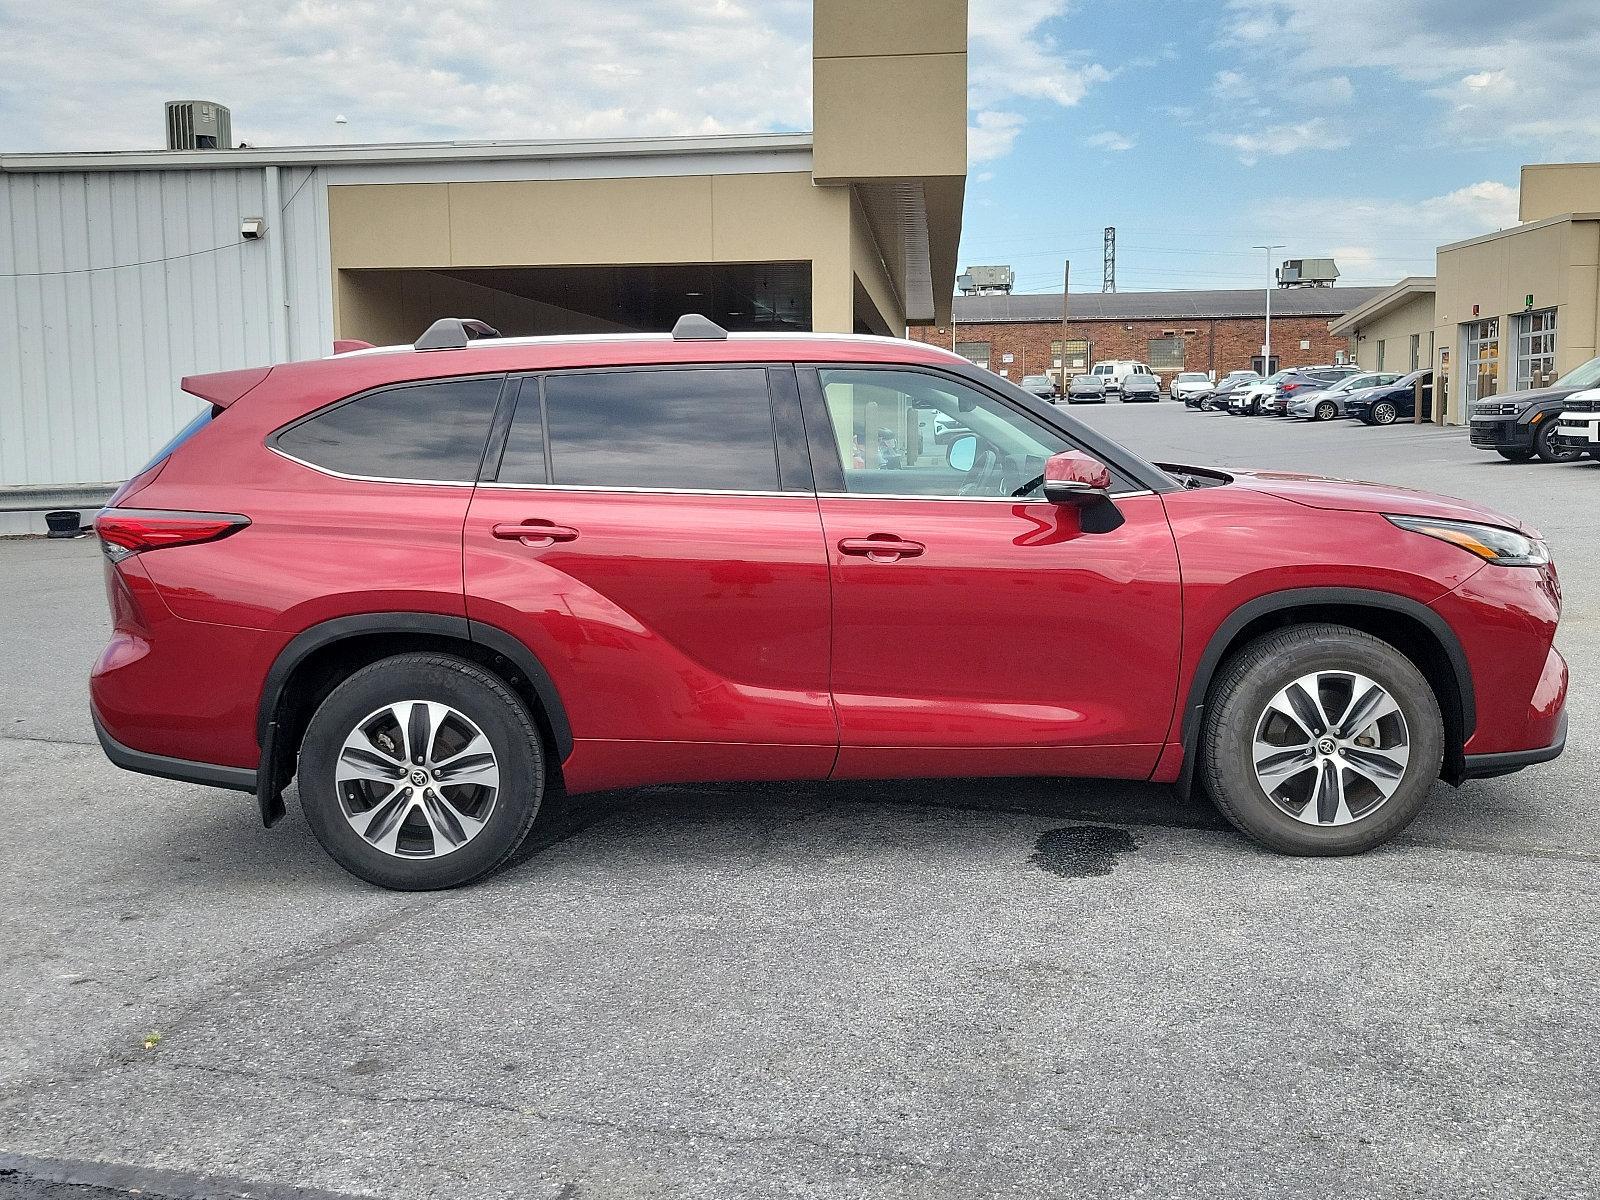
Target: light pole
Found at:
1266, 349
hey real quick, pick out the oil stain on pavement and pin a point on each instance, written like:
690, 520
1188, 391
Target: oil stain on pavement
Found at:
1079, 851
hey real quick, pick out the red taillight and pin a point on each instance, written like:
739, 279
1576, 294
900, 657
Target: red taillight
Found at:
1289, 387
125, 531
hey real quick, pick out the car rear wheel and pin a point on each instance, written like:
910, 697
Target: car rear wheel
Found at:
1384, 413
421, 771
1320, 740
1326, 411
1548, 451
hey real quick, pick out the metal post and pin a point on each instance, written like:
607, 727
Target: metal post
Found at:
1066, 280
1266, 349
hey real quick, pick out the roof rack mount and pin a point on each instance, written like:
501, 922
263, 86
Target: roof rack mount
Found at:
692, 327
453, 333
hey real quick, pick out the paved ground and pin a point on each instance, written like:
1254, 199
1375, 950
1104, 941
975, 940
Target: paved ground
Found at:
921, 990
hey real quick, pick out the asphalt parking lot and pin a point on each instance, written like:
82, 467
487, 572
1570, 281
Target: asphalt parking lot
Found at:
958, 989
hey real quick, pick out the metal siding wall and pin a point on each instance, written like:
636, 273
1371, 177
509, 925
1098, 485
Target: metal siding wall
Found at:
90, 358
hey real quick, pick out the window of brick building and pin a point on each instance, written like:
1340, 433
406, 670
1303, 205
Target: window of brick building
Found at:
1079, 354
1166, 354
976, 353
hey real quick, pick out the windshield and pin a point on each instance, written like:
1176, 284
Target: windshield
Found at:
1585, 376
1191, 377
1360, 381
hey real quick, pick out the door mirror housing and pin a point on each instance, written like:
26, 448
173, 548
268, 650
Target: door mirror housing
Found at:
962, 452
1072, 477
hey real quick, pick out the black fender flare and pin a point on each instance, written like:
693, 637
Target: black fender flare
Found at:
273, 774
1261, 606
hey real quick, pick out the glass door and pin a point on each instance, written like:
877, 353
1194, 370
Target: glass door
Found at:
1480, 360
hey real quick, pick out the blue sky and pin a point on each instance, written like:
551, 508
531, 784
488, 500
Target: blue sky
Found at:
1368, 130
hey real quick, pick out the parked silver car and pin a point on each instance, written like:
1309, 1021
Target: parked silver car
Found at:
1086, 389
1191, 387
1328, 403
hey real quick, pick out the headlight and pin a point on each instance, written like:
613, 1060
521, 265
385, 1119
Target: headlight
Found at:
1491, 543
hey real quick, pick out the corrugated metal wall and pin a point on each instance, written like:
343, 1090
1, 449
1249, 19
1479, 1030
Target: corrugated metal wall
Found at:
113, 285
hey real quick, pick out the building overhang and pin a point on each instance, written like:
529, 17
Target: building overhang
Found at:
1387, 301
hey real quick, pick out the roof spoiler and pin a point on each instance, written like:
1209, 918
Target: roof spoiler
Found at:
222, 388
453, 333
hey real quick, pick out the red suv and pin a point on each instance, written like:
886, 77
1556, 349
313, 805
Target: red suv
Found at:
440, 584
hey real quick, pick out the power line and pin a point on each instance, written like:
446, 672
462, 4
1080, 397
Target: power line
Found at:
149, 262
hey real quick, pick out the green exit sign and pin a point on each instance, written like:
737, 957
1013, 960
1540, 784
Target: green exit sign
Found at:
1527, 301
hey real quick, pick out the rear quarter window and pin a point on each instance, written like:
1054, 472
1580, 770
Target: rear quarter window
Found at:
428, 432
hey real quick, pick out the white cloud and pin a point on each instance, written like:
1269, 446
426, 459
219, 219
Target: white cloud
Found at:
1379, 239
992, 134
1504, 74
1012, 58
1232, 85
1278, 140
466, 69
1328, 91
1111, 140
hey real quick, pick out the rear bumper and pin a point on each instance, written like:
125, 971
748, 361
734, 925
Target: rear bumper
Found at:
238, 779
1488, 766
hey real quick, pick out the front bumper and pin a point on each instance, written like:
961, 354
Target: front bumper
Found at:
1500, 433
1490, 766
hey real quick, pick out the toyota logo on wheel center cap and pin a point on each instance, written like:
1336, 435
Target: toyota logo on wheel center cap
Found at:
419, 777
1327, 746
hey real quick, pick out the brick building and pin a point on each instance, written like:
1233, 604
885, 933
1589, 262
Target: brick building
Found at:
1217, 331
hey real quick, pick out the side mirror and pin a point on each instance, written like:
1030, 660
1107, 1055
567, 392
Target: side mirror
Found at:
1074, 478
962, 452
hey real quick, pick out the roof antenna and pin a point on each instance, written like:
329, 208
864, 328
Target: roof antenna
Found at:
692, 327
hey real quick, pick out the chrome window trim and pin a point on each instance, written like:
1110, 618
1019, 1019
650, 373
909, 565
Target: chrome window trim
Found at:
966, 499
332, 474
653, 491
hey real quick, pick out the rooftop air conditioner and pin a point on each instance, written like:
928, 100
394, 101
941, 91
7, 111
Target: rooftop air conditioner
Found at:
198, 125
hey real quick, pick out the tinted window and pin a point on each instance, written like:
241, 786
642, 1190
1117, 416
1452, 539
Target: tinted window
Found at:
421, 431
703, 429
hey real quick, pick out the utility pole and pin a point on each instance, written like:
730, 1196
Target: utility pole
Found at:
1066, 290
1266, 349
1108, 278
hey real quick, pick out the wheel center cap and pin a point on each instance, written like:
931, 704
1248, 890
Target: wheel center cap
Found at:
419, 777
1327, 746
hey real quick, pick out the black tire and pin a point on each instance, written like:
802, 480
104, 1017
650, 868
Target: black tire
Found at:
476, 694
1548, 452
1517, 455
1238, 700
1384, 413
1326, 411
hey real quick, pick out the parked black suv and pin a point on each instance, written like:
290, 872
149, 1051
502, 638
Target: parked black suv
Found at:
1518, 426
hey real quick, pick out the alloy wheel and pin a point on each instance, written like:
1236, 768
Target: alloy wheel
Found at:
1383, 413
1326, 411
1331, 748
417, 779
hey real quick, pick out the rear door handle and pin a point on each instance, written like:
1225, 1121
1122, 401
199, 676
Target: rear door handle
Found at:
881, 547
535, 532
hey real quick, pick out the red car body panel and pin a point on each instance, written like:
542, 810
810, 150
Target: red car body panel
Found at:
1012, 632
706, 637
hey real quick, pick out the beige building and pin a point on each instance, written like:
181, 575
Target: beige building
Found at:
1507, 311
1393, 331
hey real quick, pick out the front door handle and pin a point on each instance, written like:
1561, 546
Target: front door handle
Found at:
881, 547
535, 532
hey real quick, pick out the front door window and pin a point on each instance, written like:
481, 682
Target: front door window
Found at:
905, 433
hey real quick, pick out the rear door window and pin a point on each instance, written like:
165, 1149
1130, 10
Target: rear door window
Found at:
688, 429
430, 432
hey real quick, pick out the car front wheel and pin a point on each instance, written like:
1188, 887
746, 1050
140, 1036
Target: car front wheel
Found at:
1326, 411
1320, 739
1545, 447
421, 771
1384, 413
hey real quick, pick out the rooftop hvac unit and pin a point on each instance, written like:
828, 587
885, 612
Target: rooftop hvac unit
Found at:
1308, 272
981, 280
198, 125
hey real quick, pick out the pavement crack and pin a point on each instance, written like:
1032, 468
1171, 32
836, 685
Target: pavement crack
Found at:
479, 1103
44, 741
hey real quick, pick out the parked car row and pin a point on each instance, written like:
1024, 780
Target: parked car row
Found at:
1325, 393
